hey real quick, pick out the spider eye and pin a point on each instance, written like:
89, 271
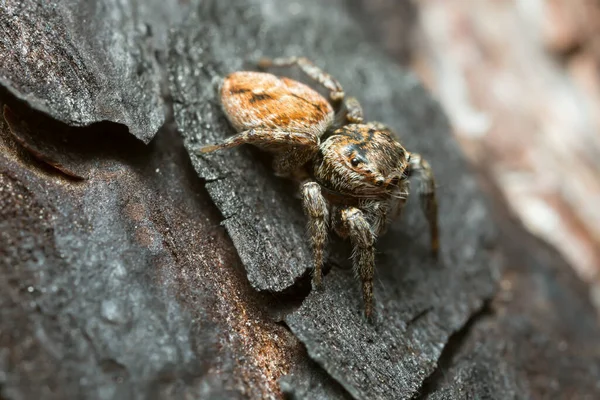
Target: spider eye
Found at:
355, 162
395, 181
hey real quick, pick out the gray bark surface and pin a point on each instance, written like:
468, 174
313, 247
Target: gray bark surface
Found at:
132, 270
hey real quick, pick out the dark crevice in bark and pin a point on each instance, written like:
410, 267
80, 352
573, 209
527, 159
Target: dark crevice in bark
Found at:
452, 347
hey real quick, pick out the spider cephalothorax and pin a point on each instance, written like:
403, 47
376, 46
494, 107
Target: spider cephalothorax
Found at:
360, 160
354, 174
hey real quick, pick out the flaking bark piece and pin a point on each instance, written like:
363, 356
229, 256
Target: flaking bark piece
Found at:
44, 150
124, 285
307, 381
539, 337
261, 213
85, 61
418, 308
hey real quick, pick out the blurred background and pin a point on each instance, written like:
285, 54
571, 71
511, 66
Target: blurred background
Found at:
520, 82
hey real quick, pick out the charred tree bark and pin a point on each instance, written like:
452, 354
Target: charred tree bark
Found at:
132, 268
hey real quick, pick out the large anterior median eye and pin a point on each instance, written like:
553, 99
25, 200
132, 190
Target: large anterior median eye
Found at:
355, 161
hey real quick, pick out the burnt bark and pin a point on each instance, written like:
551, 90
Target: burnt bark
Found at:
136, 269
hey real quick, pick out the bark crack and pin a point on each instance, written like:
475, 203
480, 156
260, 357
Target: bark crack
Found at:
451, 349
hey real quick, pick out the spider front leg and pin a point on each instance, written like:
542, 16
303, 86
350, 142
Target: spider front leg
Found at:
303, 145
265, 138
287, 163
292, 149
427, 196
354, 225
398, 203
317, 212
378, 214
354, 112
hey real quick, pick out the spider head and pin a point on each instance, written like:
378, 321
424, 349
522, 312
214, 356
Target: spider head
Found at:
362, 161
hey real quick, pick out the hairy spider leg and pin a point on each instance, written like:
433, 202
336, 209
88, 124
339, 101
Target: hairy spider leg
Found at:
336, 92
353, 110
355, 226
289, 162
397, 203
317, 212
427, 197
378, 214
265, 138
304, 146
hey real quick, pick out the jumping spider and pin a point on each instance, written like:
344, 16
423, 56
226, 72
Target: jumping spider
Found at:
353, 175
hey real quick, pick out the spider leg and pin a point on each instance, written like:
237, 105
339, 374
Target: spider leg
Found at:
427, 196
336, 92
266, 138
287, 162
354, 112
357, 228
397, 204
381, 127
378, 213
315, 208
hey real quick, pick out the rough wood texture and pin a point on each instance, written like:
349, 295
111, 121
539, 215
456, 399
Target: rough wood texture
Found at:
259, 210
538, 338
83, 62
124, 285
129, 271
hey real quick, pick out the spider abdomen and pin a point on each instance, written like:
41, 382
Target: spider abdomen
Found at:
255, 100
